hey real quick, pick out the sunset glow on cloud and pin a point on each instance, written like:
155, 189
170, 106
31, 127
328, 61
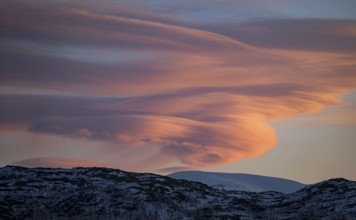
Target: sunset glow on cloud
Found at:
132, 75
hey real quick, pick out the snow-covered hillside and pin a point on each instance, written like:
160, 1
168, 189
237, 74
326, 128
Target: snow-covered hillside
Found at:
108, 194
238, 181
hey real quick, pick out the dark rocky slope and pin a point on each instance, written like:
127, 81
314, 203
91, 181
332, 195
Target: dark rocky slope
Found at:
101, 193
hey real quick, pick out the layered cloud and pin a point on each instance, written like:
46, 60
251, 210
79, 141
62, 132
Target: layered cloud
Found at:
203, 92
326, 35
58, 162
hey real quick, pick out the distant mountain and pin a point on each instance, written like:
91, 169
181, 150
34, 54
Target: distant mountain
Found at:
101, 193
238, 181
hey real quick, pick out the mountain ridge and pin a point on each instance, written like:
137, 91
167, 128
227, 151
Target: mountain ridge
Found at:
103, 193
240, 181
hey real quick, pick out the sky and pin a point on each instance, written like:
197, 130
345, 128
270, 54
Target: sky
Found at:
262, 87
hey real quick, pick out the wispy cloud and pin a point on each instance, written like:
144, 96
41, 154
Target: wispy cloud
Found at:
59, 162
326, 35
204, 93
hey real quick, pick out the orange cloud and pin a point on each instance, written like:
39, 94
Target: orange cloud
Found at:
198, 91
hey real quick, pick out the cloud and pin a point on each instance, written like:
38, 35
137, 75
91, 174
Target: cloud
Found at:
174, 169
203, 93
59, 163
212, 11
327, 35
193, 142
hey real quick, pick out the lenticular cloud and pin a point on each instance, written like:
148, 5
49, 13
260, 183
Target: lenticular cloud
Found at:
131, 76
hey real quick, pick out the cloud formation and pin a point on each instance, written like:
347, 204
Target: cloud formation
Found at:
58, 162
325, 35
202, 92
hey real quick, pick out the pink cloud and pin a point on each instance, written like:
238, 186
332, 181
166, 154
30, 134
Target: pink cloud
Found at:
196, 91
59, 163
